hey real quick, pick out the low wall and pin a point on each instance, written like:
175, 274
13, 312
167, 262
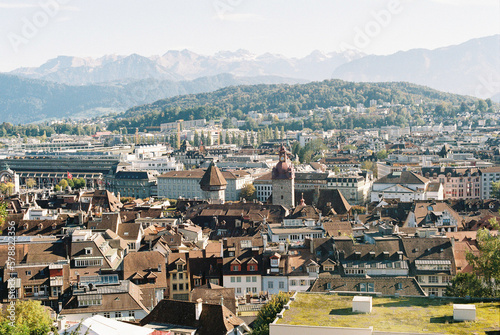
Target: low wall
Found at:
281, 329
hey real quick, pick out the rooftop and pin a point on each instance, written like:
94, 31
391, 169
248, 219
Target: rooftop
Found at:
410, 315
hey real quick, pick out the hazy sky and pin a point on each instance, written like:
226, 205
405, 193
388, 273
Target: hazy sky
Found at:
30, 34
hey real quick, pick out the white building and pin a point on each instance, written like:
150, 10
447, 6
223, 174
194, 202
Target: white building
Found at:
186, 184
406, 186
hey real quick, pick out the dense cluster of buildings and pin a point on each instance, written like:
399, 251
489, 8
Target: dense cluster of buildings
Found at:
158, 231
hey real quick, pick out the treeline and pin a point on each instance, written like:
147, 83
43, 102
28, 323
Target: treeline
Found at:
46, 129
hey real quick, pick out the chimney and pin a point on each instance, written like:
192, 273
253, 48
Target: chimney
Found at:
198, 308
264, 241
222, 300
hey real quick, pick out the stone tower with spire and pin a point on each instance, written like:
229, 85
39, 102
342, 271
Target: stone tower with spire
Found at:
213, 184
283, 181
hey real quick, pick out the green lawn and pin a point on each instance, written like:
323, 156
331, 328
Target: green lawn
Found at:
422, 315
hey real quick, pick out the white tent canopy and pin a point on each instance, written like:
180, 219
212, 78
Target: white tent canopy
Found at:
99, 325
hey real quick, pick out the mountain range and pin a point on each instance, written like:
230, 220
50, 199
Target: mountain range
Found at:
185, 65
73, 86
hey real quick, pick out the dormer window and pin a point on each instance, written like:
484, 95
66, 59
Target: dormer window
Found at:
159, 267
88, 251
235, 267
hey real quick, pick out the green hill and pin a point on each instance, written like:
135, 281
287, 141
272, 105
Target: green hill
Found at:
239, 100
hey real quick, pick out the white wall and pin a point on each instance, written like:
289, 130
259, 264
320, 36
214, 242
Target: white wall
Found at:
281, 329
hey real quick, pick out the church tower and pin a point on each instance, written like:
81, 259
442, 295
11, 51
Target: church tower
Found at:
213, 184
283, 180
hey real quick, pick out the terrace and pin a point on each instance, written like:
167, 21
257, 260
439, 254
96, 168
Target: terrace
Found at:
404, 314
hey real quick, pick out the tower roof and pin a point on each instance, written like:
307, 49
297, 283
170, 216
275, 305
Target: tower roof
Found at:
284, 169
212, 177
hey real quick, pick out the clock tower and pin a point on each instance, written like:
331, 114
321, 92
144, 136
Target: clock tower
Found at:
283, 181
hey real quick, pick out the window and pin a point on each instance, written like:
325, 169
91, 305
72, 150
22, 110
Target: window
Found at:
433, 291
293, 282
238, 279
252, 268
174, 287
270, 284
249, 279
367, 287
174, 276
254, 289
302, 282
249, 289
28, 273
235, 268
433, 279
238, 290
399, 286
118, 314
180, 276
106, 314
88, 251
131, 314
446, 279
328, 286
180, 267
254, 279
233, 279
181, 287
281, 285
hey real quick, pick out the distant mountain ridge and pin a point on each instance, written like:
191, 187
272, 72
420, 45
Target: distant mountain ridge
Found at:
471, 68
184, 65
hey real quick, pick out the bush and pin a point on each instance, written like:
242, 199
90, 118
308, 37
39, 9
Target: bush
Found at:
268, 313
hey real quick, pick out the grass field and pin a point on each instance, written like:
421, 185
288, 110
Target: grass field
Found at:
421, 315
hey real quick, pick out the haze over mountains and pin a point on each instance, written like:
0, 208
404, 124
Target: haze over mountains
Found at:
73, 86
185, 65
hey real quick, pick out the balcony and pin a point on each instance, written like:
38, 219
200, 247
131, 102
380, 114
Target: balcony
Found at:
56, 281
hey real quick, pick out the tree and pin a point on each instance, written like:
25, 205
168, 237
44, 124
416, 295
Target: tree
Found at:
227, 123
31, 319
3, 213
196, 139
487, 264
63, 184
370, 166
495, 189
382, 154
7, 188
467, 284
30, 182
248, 192
268, 313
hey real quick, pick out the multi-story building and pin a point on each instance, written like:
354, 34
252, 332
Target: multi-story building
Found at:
356, 188
137, 184
458, 183
186, 184
488, 176
406, 186
242, 266
38, 270
178, 276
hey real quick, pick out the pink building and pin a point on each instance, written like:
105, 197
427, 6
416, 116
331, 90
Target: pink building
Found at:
459, 183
